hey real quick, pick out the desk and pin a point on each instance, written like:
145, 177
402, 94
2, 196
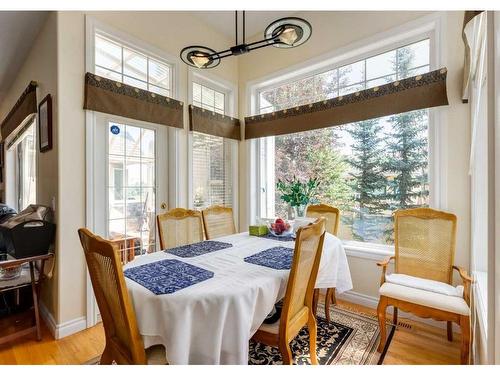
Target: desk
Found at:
35, 287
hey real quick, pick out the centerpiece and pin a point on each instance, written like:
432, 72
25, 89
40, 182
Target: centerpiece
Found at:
298, 194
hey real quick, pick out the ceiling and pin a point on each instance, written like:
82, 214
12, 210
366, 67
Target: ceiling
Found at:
18, 31
256, 21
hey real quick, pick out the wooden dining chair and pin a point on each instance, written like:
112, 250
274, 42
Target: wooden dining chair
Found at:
298, 302
425, 249
218, 221
332, 217
179, 227
124, 344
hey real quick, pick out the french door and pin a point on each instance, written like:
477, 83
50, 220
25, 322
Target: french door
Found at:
130, 183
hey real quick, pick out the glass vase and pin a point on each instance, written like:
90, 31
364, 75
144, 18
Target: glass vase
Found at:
299, 211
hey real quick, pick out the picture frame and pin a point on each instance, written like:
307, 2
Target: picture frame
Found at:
45, 124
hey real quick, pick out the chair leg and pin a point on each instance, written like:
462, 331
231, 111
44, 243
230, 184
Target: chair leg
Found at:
395, 315
106, 357
311, 325
449, 331
315, 301
286, 352
464, 349
334, 297
328, 300
381, 312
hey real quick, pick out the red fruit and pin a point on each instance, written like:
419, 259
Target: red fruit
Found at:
279, 221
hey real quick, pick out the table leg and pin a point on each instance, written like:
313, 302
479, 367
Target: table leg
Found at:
35, 302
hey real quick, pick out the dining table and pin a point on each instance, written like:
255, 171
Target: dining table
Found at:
212, 320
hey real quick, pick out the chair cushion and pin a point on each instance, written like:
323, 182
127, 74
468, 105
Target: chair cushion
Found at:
156, 355
425, 284
438, 301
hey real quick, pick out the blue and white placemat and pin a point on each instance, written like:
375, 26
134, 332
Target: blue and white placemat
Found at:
281, 238
198, 248
167, 276
278, 258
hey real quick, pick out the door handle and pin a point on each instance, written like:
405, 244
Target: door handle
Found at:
163, 206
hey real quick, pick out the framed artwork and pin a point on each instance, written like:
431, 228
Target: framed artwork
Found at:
45, 124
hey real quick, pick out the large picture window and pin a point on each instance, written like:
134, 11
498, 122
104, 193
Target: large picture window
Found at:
367, 169
212, 156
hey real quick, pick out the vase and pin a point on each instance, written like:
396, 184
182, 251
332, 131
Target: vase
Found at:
299, 211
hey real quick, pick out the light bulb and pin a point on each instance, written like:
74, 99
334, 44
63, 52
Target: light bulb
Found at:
199, 59
288, 36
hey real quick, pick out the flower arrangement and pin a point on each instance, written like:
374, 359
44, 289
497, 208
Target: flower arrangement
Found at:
298, 194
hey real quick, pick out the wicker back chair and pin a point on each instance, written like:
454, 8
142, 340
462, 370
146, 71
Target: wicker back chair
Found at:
218, 222
332, 217
298, 302
424, 241
179, 227
124, 344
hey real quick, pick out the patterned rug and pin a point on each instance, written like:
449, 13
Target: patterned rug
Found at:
351, 338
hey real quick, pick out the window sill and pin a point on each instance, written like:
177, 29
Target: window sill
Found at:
367, 251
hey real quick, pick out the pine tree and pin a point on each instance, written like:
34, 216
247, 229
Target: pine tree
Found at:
368, 182
406, 151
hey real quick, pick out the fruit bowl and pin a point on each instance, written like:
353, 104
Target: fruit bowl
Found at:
280, 228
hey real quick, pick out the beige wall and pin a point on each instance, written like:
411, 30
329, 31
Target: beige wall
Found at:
41, 66
334, 30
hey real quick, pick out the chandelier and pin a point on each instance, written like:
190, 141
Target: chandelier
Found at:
286, 32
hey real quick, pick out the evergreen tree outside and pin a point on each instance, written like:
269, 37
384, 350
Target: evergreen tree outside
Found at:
367, 180
406, 162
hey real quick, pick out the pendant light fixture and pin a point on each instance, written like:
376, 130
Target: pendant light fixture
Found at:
286, 32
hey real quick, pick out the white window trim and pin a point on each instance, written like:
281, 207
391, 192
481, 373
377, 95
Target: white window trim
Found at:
432, 26
230, 91
92, 26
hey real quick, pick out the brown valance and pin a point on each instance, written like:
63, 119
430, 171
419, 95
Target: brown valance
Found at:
422, 91
208, 122
469, 15
108, 96
24, 107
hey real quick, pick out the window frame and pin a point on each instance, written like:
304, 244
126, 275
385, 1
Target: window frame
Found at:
230, 108
428, 27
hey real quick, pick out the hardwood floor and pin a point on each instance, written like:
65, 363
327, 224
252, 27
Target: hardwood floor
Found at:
417, 343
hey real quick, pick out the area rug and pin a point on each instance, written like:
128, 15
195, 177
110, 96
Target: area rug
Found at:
351, 338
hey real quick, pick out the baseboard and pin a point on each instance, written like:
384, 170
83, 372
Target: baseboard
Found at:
372, 302
64, 329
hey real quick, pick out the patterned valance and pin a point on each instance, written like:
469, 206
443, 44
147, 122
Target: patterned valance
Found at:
25, 107
208, 122
422, 91
108, 96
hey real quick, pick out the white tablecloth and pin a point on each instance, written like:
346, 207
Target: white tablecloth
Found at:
213, 321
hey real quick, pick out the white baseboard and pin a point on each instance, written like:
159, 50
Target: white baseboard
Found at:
372, 302
64, 329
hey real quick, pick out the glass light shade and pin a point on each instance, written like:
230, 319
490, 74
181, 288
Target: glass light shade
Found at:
200, 60
288, 36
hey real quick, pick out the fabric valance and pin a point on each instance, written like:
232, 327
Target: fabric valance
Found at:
24, 107
472, 48
418, 92
116, 98
208, 122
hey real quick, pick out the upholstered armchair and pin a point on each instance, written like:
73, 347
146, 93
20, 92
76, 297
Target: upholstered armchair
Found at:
421, 284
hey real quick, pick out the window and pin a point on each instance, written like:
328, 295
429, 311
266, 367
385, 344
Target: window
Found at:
212, 156
367, 169
121, 63
23, 155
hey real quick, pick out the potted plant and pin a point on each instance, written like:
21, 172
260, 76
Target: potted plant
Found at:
298, 194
